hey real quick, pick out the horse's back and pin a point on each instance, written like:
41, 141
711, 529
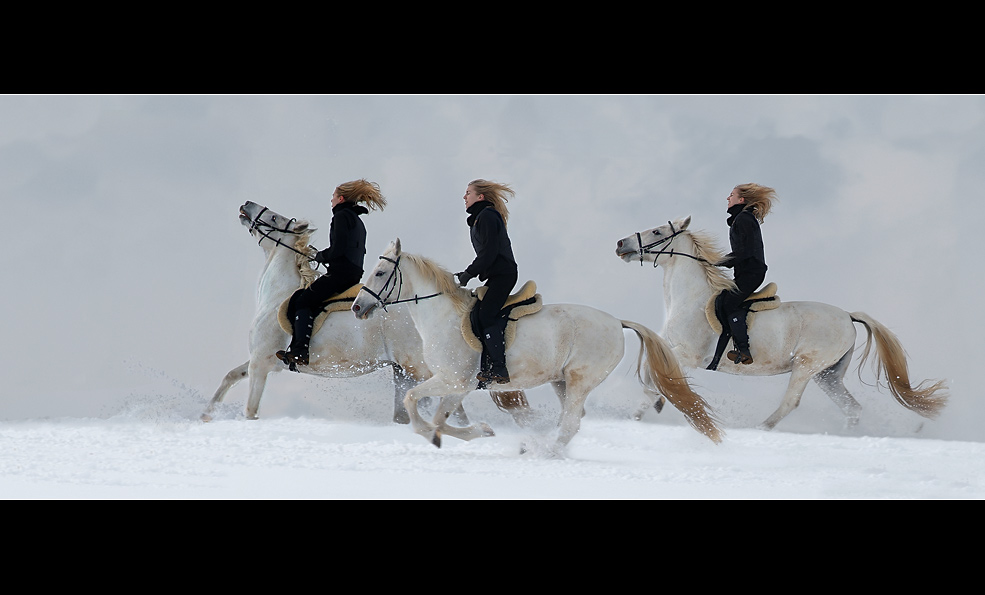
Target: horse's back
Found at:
800, 330
572, 330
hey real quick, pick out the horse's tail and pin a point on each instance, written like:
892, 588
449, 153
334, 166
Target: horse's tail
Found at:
666, 376
891, 360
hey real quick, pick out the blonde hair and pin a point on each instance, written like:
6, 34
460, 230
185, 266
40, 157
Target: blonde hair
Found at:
495, 193
362, 191
759, 198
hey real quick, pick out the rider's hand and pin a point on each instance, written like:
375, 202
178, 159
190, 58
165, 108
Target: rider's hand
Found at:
463, 278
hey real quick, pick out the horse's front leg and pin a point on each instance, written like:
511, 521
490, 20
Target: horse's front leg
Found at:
452, 405
654, 400
232, 379
451, 392
258, 380
401, 383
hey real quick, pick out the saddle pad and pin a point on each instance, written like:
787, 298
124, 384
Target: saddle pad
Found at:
527, 292
768, 293
336, 303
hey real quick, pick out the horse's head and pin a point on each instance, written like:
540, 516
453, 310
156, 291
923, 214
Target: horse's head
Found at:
380, 284
652, 245
267, 224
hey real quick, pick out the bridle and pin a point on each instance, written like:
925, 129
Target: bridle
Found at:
260, 226
647, 248
394, 282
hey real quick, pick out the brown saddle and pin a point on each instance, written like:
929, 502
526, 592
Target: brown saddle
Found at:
336, 303
523, 302
760, 301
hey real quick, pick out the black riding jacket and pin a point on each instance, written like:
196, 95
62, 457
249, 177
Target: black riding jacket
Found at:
493, 250
746, 240
346, 239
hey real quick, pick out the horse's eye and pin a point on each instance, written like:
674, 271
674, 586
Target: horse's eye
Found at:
379, 273
656, 233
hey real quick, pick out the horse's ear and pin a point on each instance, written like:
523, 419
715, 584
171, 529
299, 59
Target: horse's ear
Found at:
685, 222
396, 245
302, 227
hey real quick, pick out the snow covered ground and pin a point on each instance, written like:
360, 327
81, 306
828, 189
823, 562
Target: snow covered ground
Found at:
332, 439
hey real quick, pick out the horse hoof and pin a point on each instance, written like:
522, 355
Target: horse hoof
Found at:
487, 431
206, 417
436, 439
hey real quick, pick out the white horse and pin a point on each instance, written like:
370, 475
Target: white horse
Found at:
572, 347
809, 340
342, 347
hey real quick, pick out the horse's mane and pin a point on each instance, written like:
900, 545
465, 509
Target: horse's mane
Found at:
706, 248
303, 258
444, 280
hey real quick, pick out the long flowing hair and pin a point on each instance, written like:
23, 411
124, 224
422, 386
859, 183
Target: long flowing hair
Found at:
495, 193
759, 199
362, 191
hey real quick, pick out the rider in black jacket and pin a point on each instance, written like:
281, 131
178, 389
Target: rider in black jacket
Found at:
494, 263
343, 259
748, 205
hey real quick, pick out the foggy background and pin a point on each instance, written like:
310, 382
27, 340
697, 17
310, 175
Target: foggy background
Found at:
124, 262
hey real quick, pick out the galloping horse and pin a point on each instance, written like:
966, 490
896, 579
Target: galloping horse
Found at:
572, 347
342, 347
810, 340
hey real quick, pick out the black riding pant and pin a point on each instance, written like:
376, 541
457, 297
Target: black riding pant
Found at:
746, 283
499, 288
313, 297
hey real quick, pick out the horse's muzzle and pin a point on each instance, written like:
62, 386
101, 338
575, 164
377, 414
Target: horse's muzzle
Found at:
363, 313
622, 251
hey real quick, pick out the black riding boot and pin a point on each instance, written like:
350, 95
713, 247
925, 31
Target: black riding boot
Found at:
297, 352
494, 344
740, 338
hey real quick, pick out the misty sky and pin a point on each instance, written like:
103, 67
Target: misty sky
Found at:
125, 259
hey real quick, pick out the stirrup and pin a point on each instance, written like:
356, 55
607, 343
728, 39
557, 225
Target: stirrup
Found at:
487, 376
292, 359
739, 358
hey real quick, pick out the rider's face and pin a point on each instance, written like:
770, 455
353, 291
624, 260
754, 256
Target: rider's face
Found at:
735, 199
471, 197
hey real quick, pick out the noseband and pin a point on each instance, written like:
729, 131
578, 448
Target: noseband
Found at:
647, 248
397, 279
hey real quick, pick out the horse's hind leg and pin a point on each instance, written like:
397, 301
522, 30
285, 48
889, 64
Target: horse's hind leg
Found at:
231, 379
515, 403
572, 410
832, 382
799, 377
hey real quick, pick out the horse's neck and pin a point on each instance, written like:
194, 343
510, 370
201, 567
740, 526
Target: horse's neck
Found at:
432, 315
686, 291
278, 281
